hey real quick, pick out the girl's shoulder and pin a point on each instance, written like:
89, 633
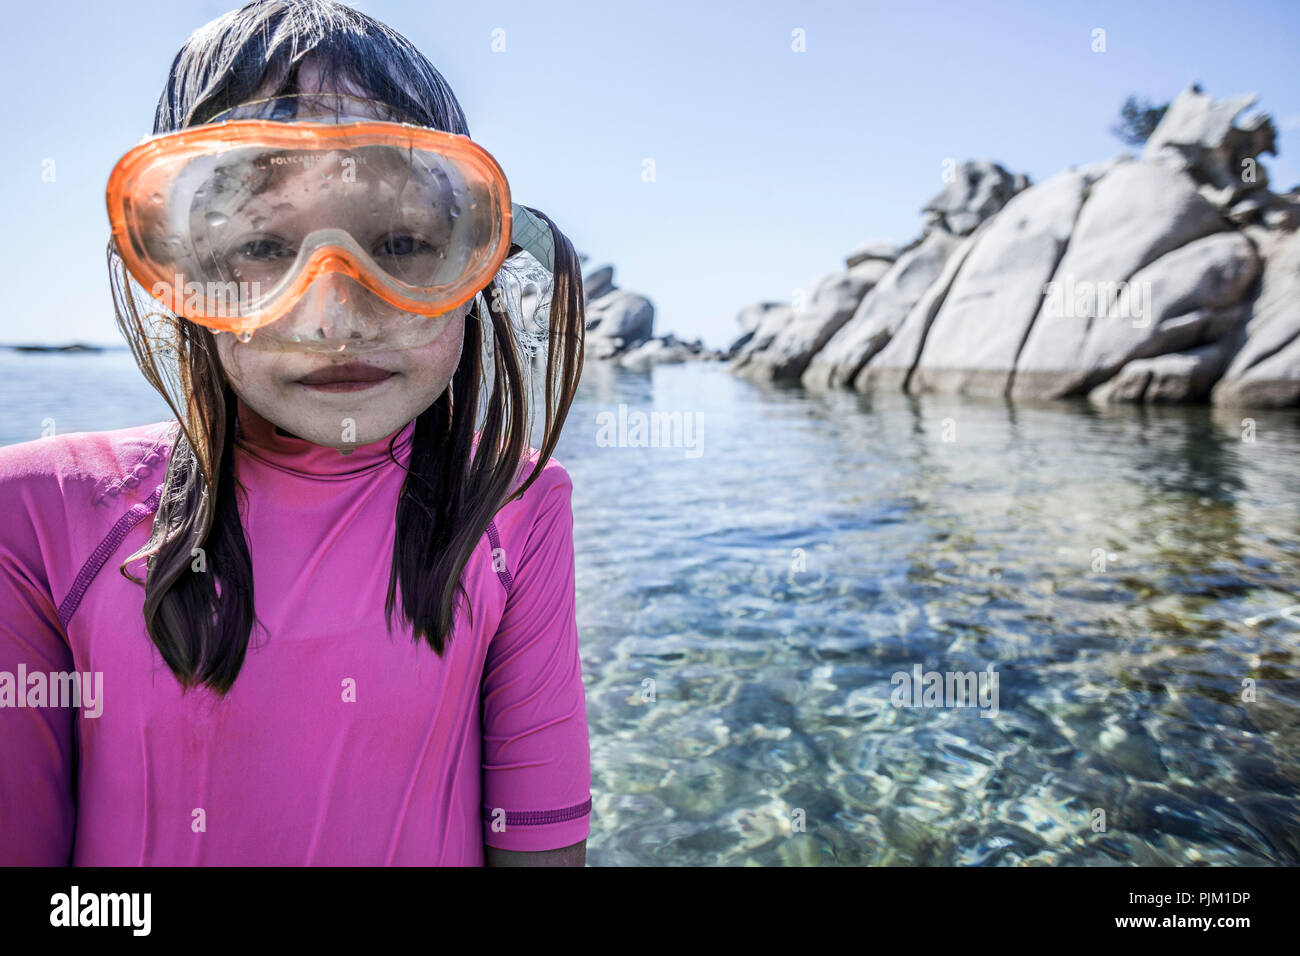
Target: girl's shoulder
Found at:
94, 470
73, 498
550, 490
553, 476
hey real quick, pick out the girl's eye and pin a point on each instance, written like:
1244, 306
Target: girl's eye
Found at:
400, 246
263, 250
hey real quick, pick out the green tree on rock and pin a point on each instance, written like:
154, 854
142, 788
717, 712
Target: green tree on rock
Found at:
1138, 119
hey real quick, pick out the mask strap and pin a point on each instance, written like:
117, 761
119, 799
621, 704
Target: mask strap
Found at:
533, 235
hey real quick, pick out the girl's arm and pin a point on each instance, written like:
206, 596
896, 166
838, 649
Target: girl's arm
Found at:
575, 855
37, 749
536, 758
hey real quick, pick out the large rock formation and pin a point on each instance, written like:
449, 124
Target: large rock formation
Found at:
975, 191
881, 249
617, 320
754, 317
783, 346
1201, 137
892, 367
782, 352
881, 311
1170, 277
980, 327
1265, 369
1134, 215
1183, 300
1166, 379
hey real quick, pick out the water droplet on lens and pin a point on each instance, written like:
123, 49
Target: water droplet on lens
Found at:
215, 220
156, 199
246, 336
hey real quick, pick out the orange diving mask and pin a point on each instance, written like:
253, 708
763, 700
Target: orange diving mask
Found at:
329, 232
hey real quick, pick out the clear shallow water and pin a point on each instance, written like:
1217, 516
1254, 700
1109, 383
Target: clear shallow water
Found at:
1119, 689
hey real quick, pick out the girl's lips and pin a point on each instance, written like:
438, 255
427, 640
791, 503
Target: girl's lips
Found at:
350, 377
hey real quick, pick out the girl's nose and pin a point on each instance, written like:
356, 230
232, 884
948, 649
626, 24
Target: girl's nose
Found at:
336, 312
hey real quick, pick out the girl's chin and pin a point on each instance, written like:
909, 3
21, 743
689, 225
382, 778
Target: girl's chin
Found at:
366, 425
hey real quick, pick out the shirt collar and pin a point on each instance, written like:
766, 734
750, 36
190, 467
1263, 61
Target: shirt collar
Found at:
260, 439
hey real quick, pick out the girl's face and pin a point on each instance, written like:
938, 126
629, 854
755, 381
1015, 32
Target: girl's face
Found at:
289, 389
340, 401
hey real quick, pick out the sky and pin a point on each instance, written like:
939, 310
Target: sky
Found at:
769, 163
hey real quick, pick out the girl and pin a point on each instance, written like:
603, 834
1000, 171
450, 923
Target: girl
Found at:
343, 631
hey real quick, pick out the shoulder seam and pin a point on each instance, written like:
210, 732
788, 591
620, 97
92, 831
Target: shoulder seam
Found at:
95, 563
494, 538
143, 466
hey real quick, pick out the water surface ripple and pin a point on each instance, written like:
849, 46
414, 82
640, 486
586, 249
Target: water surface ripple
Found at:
1103, 561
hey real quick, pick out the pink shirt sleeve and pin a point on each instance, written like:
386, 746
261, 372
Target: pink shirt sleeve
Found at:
37, 753
536, 757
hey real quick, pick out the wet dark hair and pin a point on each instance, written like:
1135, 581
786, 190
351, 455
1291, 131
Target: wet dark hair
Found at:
201, 620
257, 51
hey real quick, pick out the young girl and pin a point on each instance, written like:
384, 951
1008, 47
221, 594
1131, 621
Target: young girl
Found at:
343, 629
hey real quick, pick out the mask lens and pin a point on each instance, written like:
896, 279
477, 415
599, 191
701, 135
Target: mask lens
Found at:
232, 224
251, 216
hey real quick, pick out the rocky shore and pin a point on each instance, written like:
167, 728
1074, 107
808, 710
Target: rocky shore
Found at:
1169, 277
1173, 276
620, 326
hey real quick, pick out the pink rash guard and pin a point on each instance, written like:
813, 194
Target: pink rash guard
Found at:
339, 744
